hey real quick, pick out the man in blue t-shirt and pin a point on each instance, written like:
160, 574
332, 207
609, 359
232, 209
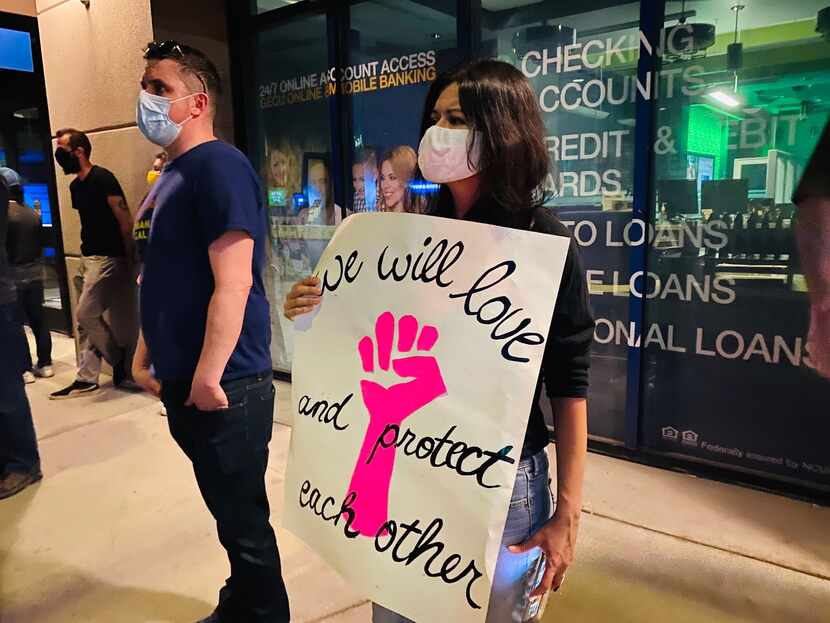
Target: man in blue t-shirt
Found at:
205, 326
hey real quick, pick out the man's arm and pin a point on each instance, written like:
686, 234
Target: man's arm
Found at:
141, 367
119, 208
231, 259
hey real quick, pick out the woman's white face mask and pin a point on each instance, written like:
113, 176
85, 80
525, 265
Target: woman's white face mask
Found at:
445, 156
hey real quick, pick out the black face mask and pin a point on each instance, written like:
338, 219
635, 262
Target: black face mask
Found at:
69, 162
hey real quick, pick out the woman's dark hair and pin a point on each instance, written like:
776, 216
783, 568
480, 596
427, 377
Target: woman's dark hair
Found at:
499, 103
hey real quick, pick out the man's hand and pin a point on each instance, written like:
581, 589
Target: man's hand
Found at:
141, 368
206, 396
144, 377
557, 540
303, 297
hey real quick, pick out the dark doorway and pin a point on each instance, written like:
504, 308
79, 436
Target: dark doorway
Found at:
26, 147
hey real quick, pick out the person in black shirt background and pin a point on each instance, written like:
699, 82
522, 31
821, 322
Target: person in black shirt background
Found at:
813, 230
106, 262
24, 249
496, 180
19, 458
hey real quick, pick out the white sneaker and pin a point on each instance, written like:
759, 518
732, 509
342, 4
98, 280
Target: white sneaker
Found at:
46, 372
28, 377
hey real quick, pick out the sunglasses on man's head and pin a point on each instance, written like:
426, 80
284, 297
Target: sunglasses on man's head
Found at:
164, 49
168, 49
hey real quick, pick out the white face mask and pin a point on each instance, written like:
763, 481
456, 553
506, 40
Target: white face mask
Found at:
444, 155
153, 118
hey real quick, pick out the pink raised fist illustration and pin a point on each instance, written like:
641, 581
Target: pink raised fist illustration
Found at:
388, 407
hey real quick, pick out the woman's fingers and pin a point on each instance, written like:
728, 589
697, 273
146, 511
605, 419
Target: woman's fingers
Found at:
302, 298
301, 303
301, 291
297, 311
559, 578
310, 286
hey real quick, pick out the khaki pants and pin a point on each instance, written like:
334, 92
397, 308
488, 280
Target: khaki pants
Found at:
99, 284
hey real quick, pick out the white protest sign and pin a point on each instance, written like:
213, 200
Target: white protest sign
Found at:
412, 386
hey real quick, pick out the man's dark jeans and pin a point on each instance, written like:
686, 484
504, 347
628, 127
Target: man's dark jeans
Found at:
18, 442
229, 452
30, 298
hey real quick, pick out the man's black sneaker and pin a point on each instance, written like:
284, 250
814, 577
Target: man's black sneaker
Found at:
13, 483
119, 373
78, 388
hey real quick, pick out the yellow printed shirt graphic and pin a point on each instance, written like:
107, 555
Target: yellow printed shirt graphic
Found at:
141, 230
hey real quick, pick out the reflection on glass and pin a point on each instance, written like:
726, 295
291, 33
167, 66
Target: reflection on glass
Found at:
388, 73
283, 179
396, 170
321, 208
364, 180
385, 75
291, 147
726, 301
582, 63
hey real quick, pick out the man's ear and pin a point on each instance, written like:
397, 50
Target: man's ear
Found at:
201, 105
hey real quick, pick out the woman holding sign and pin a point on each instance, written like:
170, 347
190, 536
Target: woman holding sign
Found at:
483, 141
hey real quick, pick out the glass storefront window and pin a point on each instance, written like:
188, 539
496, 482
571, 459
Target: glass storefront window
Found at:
293, 153
675, 144
382, 84
582, 64
726, 371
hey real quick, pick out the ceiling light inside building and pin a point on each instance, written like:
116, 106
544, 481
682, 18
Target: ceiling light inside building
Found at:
26, 113
728, 99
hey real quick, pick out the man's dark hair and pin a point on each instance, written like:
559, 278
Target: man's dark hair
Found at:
76, 139
192, 61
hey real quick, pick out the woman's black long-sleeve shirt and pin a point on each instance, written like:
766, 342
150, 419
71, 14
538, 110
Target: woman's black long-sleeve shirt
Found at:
567, 356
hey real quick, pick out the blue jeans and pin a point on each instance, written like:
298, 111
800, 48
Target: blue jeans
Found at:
18, 443
516, 574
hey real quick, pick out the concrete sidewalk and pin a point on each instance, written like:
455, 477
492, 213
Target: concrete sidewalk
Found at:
117, 533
